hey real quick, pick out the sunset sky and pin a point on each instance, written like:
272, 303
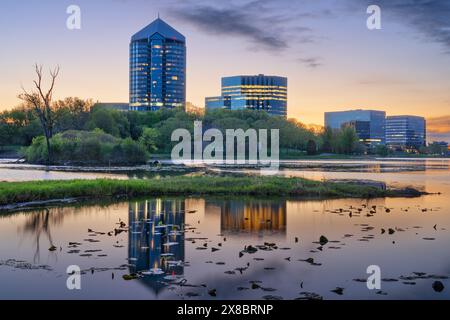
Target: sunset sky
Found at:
332, 61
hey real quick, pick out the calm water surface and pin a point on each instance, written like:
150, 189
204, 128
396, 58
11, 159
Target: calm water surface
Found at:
171, 244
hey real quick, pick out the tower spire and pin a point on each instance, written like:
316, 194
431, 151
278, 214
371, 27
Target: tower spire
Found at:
158, 15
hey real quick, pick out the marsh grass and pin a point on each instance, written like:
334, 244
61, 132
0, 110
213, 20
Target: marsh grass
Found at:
22, 192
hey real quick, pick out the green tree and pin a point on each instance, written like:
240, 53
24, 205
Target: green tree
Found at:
166, 128
4, 135
87, 147
382, 150
347, 140
104, 120
328, 140
71, 114
311, 148
149, 139
437, 148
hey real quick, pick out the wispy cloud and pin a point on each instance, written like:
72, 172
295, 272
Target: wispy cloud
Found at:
258, 22
312, 62
439, 124
231, 22
431, 18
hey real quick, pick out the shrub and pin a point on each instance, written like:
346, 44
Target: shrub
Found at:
311, 147
87, 147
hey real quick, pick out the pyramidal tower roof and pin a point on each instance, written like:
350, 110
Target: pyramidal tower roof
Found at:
161, 27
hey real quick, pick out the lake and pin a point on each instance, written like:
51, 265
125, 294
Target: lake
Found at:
185, 248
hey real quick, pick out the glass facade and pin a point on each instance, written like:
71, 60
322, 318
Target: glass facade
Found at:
157, 68
267, 93
218, 103
376, 120
362, 129
406, 132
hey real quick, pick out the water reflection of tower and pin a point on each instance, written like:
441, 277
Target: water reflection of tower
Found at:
154, 238
259, 217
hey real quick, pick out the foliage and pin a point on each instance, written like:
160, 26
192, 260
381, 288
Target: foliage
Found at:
382, 151
344, 141
95, 147
153, 130
311, 148
437, 148
149, 139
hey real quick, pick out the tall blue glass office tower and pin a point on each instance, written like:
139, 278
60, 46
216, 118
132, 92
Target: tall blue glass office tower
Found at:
267, 93
157, 68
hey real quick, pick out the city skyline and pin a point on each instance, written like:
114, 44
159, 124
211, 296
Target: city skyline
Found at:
403, 68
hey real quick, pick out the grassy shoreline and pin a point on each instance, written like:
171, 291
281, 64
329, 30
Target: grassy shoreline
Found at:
12, 193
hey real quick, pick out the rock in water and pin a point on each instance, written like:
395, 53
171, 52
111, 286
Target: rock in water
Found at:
129, 277
213, 293
251, 250
338, 291
255, 286
438, 286
323, 240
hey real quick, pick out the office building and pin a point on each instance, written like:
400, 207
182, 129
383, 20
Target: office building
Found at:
406, 132
369, 124
119, 106
266, 93
157, 68
362, 129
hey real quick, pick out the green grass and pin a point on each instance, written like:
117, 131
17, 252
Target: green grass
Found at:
22, 192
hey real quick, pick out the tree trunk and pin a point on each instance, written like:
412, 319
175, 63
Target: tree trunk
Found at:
49, 150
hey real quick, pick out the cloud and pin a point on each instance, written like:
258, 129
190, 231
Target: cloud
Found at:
312, 62
231, 22
258, 22
431, 18
439, 125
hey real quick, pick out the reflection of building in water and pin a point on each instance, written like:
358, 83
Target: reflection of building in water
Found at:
154, 238
252, 217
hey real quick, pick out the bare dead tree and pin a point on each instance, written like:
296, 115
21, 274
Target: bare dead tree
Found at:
41, 102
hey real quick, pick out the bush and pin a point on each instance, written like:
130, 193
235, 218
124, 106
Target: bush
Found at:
87, 147
37, 151
311, 148
382, 151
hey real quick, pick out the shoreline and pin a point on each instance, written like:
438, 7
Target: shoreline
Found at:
20, 195
167, 165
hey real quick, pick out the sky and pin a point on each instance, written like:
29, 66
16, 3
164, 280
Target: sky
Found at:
332, 60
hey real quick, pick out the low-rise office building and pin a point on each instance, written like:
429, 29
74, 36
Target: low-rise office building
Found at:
368, 124
266, 93
406, 132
